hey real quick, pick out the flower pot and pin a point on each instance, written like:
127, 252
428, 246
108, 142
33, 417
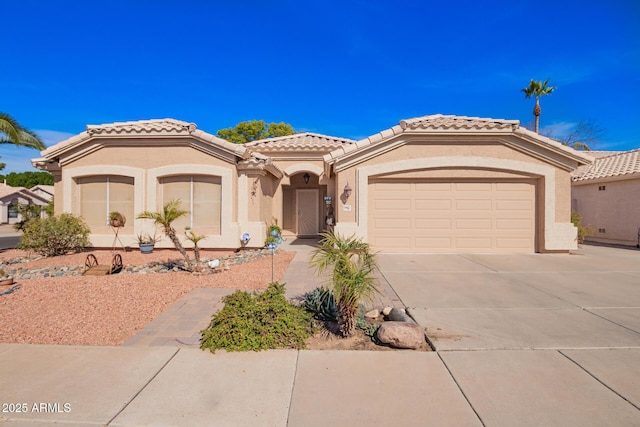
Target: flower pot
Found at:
146, 248
117, 220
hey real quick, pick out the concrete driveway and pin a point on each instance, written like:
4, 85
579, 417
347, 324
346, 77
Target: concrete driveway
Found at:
586, 300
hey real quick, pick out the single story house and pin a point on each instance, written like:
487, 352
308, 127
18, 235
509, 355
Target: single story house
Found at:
429, 184
11, 198
43, 190
606, 194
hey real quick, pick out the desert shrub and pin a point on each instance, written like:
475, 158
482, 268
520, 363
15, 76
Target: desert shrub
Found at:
583, 230
56, 235
258, 321
321, 303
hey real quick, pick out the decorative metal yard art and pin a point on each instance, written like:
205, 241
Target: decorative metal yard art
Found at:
272, 245
245, 239
91, 265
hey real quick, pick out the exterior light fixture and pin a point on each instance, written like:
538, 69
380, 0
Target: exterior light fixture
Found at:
306, 177
347, 190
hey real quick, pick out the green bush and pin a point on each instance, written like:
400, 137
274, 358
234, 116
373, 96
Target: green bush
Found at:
583, 230
56, 235
258, 321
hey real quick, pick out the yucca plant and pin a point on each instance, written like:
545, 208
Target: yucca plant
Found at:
352, 280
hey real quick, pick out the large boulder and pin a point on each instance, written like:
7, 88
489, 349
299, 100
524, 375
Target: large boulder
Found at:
401, 335
398, 315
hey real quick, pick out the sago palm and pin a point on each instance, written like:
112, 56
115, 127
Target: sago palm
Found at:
353, 278
537, 89
170, 212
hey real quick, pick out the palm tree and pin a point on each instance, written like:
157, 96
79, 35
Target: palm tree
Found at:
353, 265
170, 212
537, 89
11, 132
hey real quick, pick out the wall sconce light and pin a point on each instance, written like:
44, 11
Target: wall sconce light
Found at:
306, 177
347, 190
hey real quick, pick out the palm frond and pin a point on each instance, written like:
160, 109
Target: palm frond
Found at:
15, 134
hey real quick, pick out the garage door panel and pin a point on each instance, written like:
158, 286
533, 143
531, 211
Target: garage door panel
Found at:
393, 187
435, 187
393, 204
433, 204
393, 242
432, 223
424, 216
474, 205
514, 205
514, 224
473, 223
392, 224
473, 242
473, 187
439, 243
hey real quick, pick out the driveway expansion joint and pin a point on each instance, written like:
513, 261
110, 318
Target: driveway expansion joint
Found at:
600, 381
153, 377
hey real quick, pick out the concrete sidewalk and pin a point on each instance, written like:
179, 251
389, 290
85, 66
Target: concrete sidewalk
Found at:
585, 372
134, 386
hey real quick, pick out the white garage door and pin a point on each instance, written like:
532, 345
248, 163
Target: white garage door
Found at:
460, 216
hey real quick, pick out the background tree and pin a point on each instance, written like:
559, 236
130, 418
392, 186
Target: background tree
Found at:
11, 132
253, 130
584, 136
27, 179
537, 89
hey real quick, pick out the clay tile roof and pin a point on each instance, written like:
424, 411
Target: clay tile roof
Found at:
609, 166
142, 126
299, 141
439, 122
6, 190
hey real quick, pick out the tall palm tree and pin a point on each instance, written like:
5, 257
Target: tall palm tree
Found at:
170, 212
353, 267
11, 132
537, 89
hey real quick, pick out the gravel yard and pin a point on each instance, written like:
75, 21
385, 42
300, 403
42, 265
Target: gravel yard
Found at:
107, 310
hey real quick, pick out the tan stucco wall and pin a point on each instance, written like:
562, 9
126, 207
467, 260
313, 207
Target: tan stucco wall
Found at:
616, 209
490, 160
146, 164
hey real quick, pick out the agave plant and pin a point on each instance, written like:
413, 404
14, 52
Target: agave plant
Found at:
321, 303
352, 280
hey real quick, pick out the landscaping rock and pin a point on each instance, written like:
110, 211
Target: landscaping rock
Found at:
386, 311
401, 335
373, 314
397, 315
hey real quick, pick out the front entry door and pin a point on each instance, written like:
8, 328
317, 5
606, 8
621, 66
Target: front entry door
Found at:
307, 211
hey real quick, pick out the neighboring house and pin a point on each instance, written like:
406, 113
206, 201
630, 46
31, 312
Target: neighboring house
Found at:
45, 191
11, 198
607, 196
431, 184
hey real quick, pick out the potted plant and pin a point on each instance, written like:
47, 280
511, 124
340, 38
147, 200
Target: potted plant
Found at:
5, 279
147, 243
116, 219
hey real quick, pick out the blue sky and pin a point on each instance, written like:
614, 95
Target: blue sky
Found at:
346, 68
